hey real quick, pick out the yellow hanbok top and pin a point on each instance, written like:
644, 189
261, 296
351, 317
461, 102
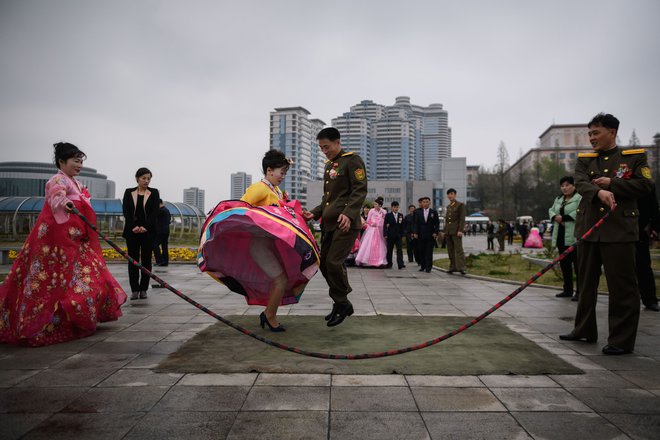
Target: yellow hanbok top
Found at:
262, 193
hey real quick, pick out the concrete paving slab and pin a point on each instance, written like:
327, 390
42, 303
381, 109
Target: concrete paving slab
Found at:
377, 426
218, 379
37, 400
290, 425
366, 380
81, 377
618, 400
593, 379
443, 381
495, 381
270, 398
568, 426
182, 425
637, 426
389, 399
14, 426
65, 426
9, 378
136, 377
115, 400
455, 399
302, 380
473, 426
195, 398
539, 399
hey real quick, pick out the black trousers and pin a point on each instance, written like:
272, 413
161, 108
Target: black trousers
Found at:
490, 240
426, 252
161, 253
568, 265
410, 248
139, 248
645, 277
391, 242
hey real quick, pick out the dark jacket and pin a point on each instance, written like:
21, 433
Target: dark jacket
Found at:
344, 191
164, 220
649, 215
393, 227
151, 203
631, 180
426, 229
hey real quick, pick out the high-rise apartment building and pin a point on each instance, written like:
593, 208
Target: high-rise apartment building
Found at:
239, 183
195, 197
292, 132
402, 141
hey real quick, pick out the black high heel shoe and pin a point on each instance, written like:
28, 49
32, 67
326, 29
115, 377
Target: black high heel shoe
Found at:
264, 321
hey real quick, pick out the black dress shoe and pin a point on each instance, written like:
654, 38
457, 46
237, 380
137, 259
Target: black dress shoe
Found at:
402, 267
654, 307
428, 270
421, 269
613, 350
576, 298
564, 295
343, 311
332, 312
462, 272
450, 271
573, 337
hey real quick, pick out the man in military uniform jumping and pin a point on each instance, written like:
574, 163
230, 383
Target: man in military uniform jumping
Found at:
609, 178
344, 191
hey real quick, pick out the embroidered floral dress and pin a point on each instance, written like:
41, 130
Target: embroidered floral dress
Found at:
59, 286
373, 247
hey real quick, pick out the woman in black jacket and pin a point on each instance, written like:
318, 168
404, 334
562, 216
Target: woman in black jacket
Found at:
140, 207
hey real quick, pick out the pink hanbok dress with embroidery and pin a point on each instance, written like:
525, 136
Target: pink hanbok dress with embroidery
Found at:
373, 247
534, 239
59, 287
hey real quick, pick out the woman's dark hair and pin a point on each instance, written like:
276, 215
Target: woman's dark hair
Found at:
142, 171
274, 159
65, 151
568, 179
379, 200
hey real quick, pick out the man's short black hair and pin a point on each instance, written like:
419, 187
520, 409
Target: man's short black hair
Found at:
568, 179
394, 203
411, 206
451, 190
329, 133
605, 120
421, 199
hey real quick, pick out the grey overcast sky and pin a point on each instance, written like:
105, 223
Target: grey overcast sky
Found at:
186, 87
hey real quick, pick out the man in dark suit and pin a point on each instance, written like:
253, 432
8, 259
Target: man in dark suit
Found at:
393, 230
408, 222
161, 253
425, 231
649, 226
607, 178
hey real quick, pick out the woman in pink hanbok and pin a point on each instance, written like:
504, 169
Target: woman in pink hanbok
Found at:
373, 248
59, 287
534, 239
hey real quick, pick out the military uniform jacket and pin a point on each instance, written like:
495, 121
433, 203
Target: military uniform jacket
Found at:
455, 218
344, 191
631, 180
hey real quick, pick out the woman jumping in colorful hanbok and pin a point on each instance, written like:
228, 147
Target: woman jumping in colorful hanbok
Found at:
59, 287
261, 246
373, 247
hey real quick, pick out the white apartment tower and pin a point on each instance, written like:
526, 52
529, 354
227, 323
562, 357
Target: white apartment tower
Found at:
292, 132
195, 197
239, 183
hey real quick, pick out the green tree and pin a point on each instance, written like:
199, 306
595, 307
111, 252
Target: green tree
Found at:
634, 140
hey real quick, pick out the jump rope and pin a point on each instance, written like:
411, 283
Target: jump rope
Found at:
321, 355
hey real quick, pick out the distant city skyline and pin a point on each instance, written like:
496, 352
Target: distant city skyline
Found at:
240, 181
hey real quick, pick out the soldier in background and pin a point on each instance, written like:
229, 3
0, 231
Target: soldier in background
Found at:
454, 226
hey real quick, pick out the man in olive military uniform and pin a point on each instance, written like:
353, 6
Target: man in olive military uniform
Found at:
344, 191
609, 179
454, 226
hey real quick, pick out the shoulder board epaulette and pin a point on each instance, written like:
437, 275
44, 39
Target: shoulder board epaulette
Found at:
350, 153
327, 160
587, 154
635, 151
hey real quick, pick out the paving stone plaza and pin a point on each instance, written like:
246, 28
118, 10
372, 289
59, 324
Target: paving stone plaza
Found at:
104, 386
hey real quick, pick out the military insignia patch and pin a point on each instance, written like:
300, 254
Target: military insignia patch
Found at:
646, 172
359, 174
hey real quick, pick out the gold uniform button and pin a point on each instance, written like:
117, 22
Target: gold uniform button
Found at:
578, 210
327, 182
606, 158
327, 203
591, 172
633, 213
606, 170
602, 209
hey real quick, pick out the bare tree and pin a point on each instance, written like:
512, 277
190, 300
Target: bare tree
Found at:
634, 140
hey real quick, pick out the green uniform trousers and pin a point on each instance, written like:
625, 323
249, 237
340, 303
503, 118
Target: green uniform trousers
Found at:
618, 260
335, 247
456, 254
